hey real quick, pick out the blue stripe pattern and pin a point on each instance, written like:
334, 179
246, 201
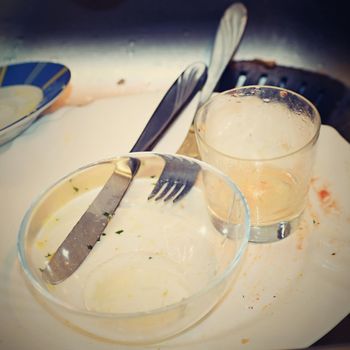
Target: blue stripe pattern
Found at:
56, 76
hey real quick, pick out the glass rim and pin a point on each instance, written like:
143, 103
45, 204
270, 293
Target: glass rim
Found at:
38, 287
309, 143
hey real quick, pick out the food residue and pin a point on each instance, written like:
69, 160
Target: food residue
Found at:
107, 215
244, 340
41, 244
326, 200
301, 233
323, 194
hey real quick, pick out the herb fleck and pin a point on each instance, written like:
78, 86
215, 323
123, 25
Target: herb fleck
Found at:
47, 255
41, 270
150, 258
119, 232
152, 176
89, 246
76, 189
104, 233
333, 253
107, 215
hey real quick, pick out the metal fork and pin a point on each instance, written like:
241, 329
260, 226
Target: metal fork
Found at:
177, 178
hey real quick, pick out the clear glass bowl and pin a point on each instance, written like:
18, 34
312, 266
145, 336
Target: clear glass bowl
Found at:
158, 268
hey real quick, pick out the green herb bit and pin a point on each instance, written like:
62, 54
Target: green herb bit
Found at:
89, 246
107, 215
119, 232
47, 255
150, 258
152, 176
41, 270
104, 233
76, 189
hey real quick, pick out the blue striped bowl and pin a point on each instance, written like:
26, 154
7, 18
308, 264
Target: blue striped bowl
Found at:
46, 79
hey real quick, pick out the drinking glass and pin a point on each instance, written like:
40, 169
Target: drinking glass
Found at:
264, 138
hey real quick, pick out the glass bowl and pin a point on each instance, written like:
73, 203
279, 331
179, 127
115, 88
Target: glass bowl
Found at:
158, 268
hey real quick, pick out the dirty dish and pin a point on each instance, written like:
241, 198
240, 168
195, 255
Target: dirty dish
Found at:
158, 268
26, 90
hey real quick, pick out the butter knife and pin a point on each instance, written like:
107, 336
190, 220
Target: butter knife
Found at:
86, 232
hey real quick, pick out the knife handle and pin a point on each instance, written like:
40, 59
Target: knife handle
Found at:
175, 100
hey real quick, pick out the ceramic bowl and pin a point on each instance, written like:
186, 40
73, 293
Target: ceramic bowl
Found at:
26, 90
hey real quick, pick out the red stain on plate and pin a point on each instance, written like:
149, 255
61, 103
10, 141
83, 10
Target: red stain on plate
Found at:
328, 203
325, 197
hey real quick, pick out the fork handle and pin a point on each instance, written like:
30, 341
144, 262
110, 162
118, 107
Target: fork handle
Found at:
227, 39
175, 100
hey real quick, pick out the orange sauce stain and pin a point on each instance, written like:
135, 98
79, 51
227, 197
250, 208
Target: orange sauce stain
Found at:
323, 194
328, 203
301, 233
315, 218
325, 197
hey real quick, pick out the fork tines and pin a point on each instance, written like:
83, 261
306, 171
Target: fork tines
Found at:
176, 180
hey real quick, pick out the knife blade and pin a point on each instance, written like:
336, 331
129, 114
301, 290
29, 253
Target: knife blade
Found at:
87, 231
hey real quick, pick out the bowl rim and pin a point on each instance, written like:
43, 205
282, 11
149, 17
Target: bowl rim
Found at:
21, 243
39, 108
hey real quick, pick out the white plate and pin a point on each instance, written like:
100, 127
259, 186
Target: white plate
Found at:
290, 293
